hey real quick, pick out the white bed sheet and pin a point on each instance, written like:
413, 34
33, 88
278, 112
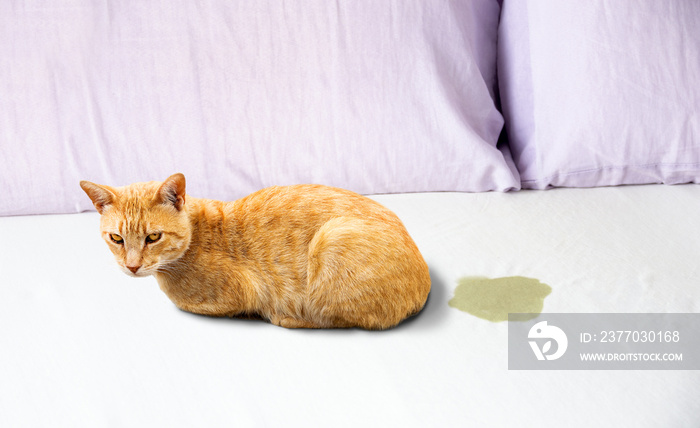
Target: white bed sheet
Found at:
84, 345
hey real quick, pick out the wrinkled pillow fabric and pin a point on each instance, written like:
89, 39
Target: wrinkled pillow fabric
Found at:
373, 96
599, 93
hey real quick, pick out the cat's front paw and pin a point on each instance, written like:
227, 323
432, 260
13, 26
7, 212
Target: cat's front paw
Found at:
289, 322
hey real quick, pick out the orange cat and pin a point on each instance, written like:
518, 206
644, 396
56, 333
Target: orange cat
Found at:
305, 256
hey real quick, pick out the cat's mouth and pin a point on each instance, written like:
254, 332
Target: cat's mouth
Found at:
139, 272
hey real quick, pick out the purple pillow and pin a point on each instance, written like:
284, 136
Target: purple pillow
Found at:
601, 93
373, 96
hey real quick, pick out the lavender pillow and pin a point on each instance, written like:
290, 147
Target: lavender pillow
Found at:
601, 93
373, 96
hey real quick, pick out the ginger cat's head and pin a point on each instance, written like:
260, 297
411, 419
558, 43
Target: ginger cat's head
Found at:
145, 225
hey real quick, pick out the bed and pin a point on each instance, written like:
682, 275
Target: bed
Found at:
458, 131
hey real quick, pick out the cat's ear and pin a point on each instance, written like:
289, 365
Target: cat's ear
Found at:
172, 191
101, 196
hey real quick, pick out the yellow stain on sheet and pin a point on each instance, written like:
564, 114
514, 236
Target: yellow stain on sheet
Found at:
494, 299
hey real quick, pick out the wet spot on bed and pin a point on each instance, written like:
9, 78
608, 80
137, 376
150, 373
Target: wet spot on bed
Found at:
493, 299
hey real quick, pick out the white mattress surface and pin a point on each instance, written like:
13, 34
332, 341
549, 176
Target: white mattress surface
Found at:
85, 345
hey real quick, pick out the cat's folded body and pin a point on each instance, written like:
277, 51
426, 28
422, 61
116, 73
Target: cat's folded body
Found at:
301, 256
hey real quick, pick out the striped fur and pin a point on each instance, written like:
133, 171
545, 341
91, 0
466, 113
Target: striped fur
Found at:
300, 256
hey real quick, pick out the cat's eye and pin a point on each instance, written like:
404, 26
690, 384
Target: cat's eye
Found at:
116, 238
153, 237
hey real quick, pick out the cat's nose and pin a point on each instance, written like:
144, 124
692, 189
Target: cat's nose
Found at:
133, 269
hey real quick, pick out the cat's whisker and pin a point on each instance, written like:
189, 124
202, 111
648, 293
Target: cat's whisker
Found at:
166, 269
